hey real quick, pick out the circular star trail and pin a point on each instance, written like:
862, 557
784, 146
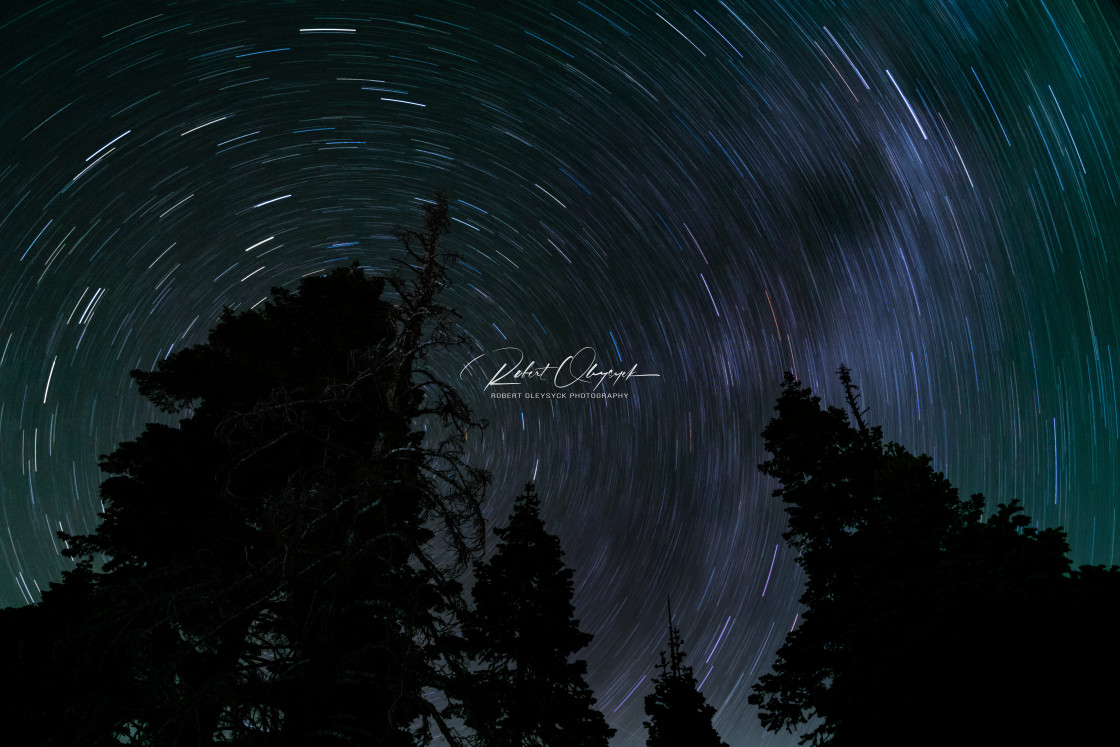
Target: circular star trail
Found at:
713, 192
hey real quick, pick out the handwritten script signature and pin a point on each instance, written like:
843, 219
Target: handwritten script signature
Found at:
578, 368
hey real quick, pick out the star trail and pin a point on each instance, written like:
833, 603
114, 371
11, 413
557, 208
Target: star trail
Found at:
713, 192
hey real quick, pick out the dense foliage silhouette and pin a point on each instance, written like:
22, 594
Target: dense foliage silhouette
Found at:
677, 710
528, 688
278, 568
924, 622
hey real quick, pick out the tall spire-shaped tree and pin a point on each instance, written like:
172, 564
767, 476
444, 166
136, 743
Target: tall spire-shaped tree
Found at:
678, 713
528, 689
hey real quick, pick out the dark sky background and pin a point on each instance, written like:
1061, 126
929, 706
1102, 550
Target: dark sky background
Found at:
714, 192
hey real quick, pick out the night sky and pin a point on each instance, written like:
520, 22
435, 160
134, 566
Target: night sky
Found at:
714, 192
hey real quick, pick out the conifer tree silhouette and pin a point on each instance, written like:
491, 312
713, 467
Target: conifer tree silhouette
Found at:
678, 712
263, 573
528, 689
924, 622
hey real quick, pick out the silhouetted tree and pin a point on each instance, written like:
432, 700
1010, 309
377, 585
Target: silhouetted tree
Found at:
923, 622
265, 573
679, 716
527, 688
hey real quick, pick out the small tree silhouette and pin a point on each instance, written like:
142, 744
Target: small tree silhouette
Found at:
678, 713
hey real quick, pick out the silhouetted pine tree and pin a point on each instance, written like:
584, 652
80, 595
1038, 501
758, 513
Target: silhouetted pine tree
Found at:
924, 623
527, 689
679, 716
263, 573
